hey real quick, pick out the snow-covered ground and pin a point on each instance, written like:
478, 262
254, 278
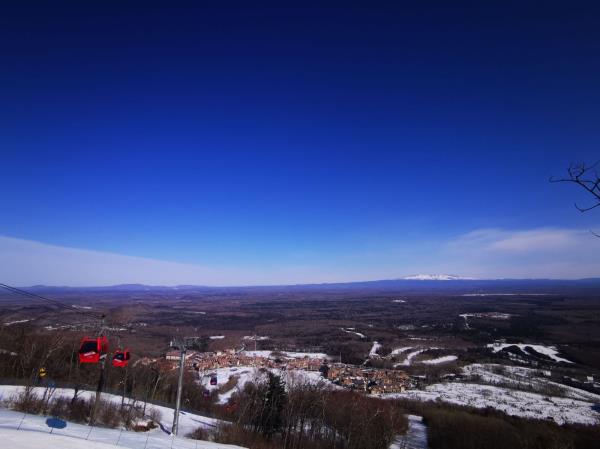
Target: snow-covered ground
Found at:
376, 346
244, 375
549, 351
351, 330
411, 355
7, 352
256, 337
217, 337
247, 374
512, 402
28, 439
24, 431
188, 422
573, 405
286, 354
258, 353
439, 360
10, 323
490, 315
302, 355
409, 359
465, 316
415, 437
400, 350
524, 378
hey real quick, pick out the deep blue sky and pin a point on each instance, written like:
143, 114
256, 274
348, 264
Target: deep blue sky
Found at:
338, 141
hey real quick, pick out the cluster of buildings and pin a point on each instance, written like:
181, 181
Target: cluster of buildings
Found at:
371, 380
202, 361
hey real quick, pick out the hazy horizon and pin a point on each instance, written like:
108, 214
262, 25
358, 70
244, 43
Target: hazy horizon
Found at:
544, 253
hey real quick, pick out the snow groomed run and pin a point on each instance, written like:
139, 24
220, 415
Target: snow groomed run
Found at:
415, 437
25, 431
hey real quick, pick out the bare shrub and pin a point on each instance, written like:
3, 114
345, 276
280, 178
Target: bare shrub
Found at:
76, 411
60, 407
108, 414
229, 385
79, 410
128, 414
233, 434
199, 434
155, 415
28, 402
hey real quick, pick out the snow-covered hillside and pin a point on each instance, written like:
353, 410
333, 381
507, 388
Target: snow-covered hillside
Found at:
245, 374
548, 351
157, 438
491, 390
32, 431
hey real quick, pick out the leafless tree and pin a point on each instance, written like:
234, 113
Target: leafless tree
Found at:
586, 177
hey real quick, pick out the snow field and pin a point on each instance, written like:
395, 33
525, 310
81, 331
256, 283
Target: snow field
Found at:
574, 407
374, 349
351, 330
10, 323
188, 422
247, 374
439, 360
255, 337
549, 351
415, 437
286, 354
32, 432
511, 402
522, 377
400, 350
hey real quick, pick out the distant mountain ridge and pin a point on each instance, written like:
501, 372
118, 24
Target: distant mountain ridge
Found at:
417, 283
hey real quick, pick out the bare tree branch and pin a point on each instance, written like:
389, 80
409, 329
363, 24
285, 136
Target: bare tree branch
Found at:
585, 177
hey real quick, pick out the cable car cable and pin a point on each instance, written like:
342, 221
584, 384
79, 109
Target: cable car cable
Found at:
91, 315
49, 300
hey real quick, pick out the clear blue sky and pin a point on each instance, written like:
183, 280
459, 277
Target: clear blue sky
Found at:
277, 143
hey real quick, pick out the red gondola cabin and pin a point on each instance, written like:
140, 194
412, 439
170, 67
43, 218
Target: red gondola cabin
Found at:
92, 349
121, 358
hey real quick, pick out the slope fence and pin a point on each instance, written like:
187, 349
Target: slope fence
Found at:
155, 439
84, 388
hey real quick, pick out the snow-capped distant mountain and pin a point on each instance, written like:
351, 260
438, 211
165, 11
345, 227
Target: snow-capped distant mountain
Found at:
435, 277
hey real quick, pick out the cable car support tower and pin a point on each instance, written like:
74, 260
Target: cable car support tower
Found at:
181, 344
